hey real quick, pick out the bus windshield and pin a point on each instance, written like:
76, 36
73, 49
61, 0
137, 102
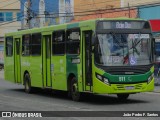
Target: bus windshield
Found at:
123, 49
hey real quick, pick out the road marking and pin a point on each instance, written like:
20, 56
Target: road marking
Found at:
156, 93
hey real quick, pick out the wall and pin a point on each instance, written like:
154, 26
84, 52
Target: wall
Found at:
8, 20
92, 9
12, 6
46, 12
149, 12
89, 9
110, 14
124, 3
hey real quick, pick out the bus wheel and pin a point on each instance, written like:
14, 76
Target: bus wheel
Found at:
27, 83
122, 97
75, 94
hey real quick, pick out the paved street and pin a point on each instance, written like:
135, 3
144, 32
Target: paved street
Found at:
13, 98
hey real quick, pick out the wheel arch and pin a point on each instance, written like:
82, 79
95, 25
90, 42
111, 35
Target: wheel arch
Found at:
69, 78
25, 72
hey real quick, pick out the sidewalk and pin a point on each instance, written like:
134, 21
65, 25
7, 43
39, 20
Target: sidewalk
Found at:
2, 74
157, 85
157, 89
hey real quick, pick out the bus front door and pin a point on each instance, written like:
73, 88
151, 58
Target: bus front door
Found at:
47, 61
17, 70
87, 60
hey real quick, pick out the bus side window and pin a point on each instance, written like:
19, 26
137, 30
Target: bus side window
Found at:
58, 42
9, 46
73, 41
26, 43
36, 44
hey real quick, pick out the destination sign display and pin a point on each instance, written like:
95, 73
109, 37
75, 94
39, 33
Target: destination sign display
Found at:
123, 25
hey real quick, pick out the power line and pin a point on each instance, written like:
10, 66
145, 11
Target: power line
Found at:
95, 10
29, 11
3, 1
91, 4
99, 2
14, 20
9, 4
104, 11
9, 26
141, 2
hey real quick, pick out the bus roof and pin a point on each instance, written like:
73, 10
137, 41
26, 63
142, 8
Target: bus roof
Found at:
66, 26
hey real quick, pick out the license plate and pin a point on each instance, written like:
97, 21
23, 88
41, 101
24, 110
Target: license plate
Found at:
129, 87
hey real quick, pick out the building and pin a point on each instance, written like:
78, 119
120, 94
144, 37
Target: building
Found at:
91, 9
145, 8
82, 6
39, 13
10, 18
131, 3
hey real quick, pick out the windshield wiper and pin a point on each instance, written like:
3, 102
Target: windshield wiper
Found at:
134, 44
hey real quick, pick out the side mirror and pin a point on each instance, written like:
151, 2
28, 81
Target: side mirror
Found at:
93, 49
94, 38
153, 45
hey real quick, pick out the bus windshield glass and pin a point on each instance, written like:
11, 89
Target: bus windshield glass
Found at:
123, 49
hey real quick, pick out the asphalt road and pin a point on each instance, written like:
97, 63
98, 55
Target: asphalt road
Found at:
13, 98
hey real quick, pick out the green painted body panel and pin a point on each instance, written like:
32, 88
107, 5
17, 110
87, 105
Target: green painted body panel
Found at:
140, 84
9, 69
102, 88
74, 25
59, 72
71, 67
54, 72
34, 67
128, 78
75, 69
36, 71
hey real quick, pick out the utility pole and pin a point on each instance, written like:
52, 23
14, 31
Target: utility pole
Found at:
29, 13
138, 13
129, 11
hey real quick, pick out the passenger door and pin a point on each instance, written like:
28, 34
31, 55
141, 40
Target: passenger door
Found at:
17, 60
87, 60
47, 61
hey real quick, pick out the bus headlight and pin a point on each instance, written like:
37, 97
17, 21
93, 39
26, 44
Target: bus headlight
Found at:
150, 78
106, 81
99, 77
102, 78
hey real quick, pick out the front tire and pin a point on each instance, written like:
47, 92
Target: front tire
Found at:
75, 94
122, 97
27, 84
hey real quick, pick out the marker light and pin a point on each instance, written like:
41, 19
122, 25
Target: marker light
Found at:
102, 78
150, 78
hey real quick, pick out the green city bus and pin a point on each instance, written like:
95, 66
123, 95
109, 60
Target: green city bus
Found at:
101, 56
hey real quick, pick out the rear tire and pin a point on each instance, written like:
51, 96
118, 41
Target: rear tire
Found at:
122, 97
27, 84
1, 67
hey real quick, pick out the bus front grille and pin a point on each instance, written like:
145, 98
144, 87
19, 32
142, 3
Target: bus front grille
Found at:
124, 87
126, 70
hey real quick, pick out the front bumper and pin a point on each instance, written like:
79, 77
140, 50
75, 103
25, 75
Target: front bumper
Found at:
123, 88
